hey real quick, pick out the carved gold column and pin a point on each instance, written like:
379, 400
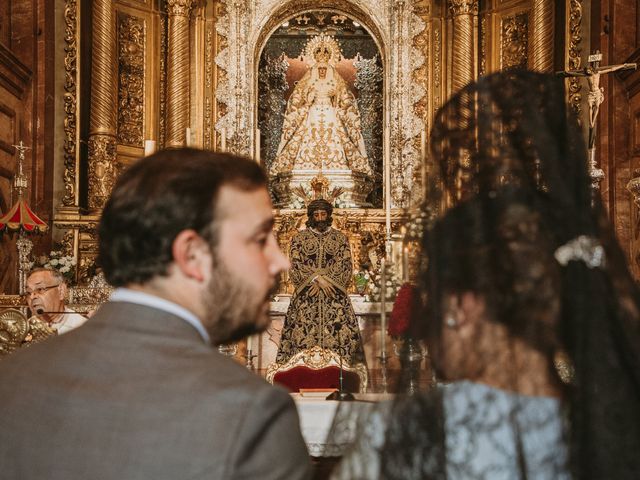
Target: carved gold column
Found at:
542, 35
102, 119
177, 72
464, 13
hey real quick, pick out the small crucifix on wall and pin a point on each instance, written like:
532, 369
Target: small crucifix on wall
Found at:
595, 98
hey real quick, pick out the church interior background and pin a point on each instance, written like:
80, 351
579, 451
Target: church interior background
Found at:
90, 86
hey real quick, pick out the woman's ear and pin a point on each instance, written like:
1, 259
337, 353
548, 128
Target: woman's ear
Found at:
465, 309
472, 306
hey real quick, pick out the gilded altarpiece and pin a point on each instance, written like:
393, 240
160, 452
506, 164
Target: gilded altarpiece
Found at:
198, 67
208, 73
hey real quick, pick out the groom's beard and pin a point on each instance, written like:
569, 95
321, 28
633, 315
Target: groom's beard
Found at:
235, 310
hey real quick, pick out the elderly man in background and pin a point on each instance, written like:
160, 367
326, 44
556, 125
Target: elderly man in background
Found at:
141, 391
45, 292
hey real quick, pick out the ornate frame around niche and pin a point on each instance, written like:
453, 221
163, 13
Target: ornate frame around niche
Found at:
393, 24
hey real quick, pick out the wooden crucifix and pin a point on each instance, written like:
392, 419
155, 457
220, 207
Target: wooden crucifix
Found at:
595, 97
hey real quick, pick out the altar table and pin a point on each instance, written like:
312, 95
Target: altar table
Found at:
329, 426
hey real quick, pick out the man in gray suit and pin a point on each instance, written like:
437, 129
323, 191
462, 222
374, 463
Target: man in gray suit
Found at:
141, 392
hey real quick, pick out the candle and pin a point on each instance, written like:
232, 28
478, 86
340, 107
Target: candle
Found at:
423, 158
249, 344
257, 157
383, 312
149, 147
223, 139
387, 216
387, 177
405, 264
188, 137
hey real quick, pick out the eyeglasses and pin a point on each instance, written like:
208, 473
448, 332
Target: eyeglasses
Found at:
39, 290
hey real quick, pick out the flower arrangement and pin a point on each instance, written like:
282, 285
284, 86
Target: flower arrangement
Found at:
401, 313
340, 202
361, 279
65, 264
297, 203
390, 287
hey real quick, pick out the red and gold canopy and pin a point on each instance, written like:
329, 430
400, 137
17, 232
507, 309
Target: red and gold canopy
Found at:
21, 217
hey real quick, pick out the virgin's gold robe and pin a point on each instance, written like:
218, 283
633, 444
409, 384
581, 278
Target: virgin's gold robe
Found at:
322, 127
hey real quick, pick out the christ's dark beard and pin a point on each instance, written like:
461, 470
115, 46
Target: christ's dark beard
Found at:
321, 225
234, 310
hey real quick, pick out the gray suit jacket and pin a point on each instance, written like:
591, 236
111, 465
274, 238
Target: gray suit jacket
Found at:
135, 393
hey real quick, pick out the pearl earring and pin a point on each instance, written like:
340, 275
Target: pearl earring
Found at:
451, 322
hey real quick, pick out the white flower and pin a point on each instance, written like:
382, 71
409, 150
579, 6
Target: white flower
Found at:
64, 269
53, 262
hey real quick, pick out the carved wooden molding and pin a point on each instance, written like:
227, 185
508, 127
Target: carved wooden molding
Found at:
14, 75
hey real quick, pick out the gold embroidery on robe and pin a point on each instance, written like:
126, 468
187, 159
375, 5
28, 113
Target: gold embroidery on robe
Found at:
328, 322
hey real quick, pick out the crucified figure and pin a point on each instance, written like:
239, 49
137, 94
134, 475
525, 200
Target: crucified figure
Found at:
595, 96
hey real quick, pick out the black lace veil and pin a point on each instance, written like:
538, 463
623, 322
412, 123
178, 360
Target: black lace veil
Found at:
527, 306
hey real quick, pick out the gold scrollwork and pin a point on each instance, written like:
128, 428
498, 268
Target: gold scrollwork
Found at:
67, 242
483, 46
208, 83
70, 101
131, 55
102, 170
421, 74
574, 53
514, 39
437, 59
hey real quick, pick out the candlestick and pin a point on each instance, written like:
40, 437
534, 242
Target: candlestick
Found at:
383, 310
149, 147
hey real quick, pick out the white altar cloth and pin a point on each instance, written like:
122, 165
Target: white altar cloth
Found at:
328, 426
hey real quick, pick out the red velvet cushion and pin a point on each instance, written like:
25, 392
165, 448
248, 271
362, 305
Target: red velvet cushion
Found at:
328, 377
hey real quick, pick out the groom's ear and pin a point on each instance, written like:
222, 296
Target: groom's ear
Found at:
191, 255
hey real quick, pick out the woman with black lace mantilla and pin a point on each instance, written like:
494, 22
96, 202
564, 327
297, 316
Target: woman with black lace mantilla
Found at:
521, 273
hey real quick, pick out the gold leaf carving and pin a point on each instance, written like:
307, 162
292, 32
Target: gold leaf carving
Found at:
180, 8
131, 55
575, 51
463, 7
514, 35
70, 101
102, 171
